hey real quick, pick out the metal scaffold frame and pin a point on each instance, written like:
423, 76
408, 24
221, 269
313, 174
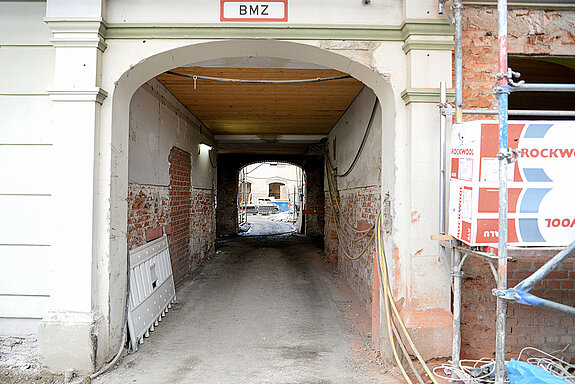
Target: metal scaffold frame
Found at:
458, 253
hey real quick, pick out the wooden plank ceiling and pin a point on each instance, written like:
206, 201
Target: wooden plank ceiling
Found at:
264, 109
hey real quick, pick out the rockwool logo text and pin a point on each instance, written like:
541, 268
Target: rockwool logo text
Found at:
548, 152
462, 151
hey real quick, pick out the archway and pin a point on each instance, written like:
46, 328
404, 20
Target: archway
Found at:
131, 79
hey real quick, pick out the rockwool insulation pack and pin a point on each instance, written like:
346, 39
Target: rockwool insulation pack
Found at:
541, 184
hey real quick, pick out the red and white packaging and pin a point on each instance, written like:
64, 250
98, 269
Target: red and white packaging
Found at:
541, 183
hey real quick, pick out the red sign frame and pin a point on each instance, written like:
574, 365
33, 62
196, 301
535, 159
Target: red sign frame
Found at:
284, 19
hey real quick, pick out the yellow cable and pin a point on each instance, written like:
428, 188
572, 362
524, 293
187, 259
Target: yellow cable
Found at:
383, 266
332, 190
343, 247
388, 317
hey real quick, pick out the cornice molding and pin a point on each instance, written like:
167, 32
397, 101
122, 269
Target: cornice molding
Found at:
428, 45
96, 94
424, 95
401, 32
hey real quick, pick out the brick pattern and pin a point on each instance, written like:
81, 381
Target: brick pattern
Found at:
360, 206
202, 225
526, 326
148, 207
531, 32
180, 208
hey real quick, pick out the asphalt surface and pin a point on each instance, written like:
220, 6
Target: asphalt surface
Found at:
259, 311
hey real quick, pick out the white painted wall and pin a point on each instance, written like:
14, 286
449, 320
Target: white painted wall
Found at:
348, 134
158, 122
299, 12
86, 205
26, 159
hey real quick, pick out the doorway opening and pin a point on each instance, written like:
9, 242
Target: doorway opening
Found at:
270, 198
244, 129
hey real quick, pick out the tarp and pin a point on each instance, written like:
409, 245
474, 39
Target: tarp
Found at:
520, 372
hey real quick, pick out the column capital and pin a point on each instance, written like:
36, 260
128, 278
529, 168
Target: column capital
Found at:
77, 32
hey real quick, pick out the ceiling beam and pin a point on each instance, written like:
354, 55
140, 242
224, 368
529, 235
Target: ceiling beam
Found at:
300, 139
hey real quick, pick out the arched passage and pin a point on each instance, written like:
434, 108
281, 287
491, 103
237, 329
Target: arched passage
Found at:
150, 66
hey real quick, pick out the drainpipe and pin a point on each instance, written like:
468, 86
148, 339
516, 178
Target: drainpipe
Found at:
442, 124
504, 156
457, 7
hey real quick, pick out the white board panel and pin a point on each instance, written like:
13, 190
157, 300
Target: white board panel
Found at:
26, 169
24, 270
26, 69
26, 119
33, 307
25, 219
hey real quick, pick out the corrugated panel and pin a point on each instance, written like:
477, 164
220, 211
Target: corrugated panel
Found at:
152, 288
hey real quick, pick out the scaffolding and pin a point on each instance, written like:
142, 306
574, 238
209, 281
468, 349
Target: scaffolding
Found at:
459, 253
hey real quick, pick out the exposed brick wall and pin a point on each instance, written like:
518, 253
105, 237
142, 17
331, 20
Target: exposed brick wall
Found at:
148, 207
190, 212
331, 243
202, 225
531, 32
360, 207
526, 326
314, 196
180, 208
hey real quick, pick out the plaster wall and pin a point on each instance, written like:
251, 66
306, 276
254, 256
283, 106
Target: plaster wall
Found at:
380, 65
26, 160
357, 194
300, 11
159, 122
92, 78
171, 180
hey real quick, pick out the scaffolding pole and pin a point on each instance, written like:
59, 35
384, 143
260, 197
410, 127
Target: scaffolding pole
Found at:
520, 294
502, 91
535, 87
516, 112
457, 8
442, 150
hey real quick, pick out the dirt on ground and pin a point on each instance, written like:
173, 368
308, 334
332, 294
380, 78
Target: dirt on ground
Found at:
19, 361
263, 309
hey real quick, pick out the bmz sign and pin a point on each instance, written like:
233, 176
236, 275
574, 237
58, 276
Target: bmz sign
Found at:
249, 10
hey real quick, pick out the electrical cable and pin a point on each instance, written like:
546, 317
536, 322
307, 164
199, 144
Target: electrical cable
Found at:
405, 353
334, 202
363, 141
361, 253
244, 81
211, 162
337, 225
387, 309
393, 326
125, 327
389, 297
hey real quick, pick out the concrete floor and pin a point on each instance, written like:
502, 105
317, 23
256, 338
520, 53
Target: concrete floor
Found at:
264, 309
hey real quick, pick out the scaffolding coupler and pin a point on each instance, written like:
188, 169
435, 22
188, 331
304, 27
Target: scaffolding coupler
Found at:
518, 296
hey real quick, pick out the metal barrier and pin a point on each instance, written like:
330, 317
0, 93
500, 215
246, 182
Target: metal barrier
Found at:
152, 289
